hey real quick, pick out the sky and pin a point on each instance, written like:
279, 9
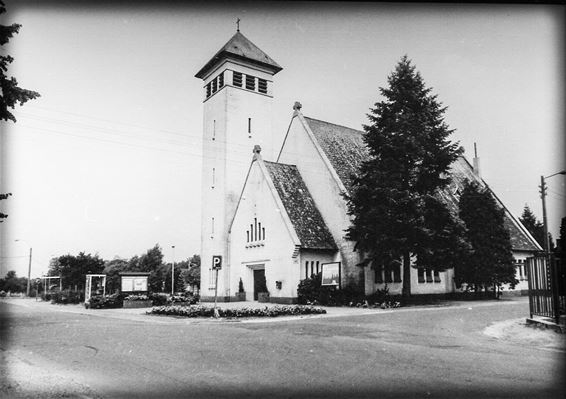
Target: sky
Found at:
108, 160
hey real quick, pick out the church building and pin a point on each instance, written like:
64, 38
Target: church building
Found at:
271, 223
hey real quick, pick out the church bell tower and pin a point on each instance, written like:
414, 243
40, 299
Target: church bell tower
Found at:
238, 96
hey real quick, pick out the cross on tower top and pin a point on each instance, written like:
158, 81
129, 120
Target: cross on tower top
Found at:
238, 24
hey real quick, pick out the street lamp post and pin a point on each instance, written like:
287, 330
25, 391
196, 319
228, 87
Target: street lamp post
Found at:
29, 267
173, 272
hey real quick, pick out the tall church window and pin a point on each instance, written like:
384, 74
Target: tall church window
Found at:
237, 79
249, 125
262, 85
250, 82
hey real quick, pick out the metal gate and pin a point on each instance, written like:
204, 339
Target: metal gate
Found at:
544, 297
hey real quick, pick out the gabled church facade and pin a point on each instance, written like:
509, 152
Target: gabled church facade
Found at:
276, 223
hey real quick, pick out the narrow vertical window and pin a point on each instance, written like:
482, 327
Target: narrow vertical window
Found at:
421, 275
262, 85
221, 80
379, 274
436, 276
252, 232
248, 234
388, 278
255, 229
250, 82
237, 79
208, 90
214, 129
428, 276
249, 125
259, 231
263, 232
214, 86
397, 272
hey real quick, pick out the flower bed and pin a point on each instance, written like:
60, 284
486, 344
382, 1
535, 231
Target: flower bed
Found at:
206, 311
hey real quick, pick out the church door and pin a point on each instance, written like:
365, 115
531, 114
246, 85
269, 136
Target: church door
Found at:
259, 282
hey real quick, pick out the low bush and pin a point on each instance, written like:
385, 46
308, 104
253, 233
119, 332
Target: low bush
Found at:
66, 297
105, 302
206, 311
137, 297
161, 299
311, 292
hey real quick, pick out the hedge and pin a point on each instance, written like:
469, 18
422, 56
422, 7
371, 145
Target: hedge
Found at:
205, 311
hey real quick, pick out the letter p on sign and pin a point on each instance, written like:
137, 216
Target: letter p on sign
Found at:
217, 262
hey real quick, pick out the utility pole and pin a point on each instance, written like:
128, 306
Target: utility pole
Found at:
29, 266
29, 273
552, 274
173, 272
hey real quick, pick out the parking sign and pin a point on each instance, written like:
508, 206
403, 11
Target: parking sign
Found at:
216, 262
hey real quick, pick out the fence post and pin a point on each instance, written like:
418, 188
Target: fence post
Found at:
554, 288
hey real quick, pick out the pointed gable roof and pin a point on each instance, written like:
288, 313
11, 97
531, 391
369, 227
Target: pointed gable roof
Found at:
240, 47
346, 150
299, 205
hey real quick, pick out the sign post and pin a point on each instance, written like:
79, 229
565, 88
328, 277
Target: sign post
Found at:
216, 265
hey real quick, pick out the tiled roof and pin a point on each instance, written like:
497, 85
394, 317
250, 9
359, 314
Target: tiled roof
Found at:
240, 47
343, 146
346, 150
307, 220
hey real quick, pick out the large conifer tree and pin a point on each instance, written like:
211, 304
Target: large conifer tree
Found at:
491, 259
394, 203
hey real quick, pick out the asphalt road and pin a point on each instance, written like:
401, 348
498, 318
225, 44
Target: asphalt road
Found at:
50, 351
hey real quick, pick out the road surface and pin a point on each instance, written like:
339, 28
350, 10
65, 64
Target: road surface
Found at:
462, 350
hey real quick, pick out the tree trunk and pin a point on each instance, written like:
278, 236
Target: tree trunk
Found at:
406, 276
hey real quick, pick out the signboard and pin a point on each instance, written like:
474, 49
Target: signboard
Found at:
331, 274
216, 262
134, 283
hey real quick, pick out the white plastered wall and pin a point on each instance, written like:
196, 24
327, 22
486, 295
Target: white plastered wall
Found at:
275, 251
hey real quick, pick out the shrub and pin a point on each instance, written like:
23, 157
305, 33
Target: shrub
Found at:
205, 311
311, 292
105, 302
161, 299
136, 297
2, 293
66, 296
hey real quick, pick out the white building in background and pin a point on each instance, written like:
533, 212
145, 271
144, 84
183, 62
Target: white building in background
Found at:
279, 222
